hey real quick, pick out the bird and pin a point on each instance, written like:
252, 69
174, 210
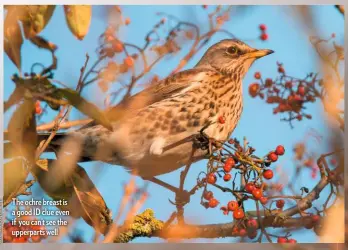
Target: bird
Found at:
175, 108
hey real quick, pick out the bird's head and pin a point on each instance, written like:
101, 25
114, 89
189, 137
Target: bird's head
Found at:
232, 57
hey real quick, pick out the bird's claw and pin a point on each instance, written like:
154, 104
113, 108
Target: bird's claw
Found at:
181, 198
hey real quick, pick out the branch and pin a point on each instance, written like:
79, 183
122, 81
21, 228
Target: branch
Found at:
146, 225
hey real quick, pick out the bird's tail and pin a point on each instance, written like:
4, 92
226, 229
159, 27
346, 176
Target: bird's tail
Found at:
54, 145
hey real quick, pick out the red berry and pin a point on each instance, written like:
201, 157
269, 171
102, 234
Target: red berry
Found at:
288, 85
252, 224
232, 205
127, 21
273, 157
257, 193
117, 46
254, 89
263, 200
213, 202
238, 214
281, 70
129, 61
268, 82
205, 6
268, 174
315, 218
262, 27
221, 120
264, 37
301, 91
227, 177
229, 164
282, 240
38, 110
292, 241
280, 203
208, 195
280, 150
257, 75
211, 178
249, 187
242, 232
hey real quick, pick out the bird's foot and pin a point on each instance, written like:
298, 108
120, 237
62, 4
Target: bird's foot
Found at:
181, 198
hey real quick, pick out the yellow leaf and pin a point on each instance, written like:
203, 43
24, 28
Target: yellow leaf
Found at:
78, 18
13, 39
36, 19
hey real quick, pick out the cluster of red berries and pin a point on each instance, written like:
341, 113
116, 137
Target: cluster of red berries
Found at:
264, 35
10, 237
289, 93
273, 156
38, 109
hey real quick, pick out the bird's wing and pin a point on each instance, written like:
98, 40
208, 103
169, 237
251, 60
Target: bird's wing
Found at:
166, 88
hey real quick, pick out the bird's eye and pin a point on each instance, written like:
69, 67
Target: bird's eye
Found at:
232, 50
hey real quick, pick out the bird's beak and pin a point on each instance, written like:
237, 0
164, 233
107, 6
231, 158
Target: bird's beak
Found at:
259, 53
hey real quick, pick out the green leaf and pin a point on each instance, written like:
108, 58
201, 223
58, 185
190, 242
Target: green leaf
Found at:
86, 107
13, 39
78, 18
22, 129
15, 174
36, 19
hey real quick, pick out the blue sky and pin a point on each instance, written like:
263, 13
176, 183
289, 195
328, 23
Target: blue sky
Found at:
263, 130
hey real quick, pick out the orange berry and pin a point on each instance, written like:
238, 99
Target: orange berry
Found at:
268, 174
232, 205
129, 61
257, 75
208, 195
38, 110
238, 214
117, 46
273, 157
257, 193
280, 203
254, 89
213, 203
127, 21
249, 187
227, 177
211, 178
263, 200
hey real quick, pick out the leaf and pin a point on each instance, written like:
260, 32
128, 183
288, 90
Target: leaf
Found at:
84, 200
86, 107
22, 130
15, 174
14, 98
13, 39
36, 19
78, 18
43, 43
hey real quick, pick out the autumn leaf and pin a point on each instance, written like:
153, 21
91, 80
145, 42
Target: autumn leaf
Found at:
86, 107
43, 43
13, 39
78, 18
15, 174
84, 200
36, 19
22, 129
